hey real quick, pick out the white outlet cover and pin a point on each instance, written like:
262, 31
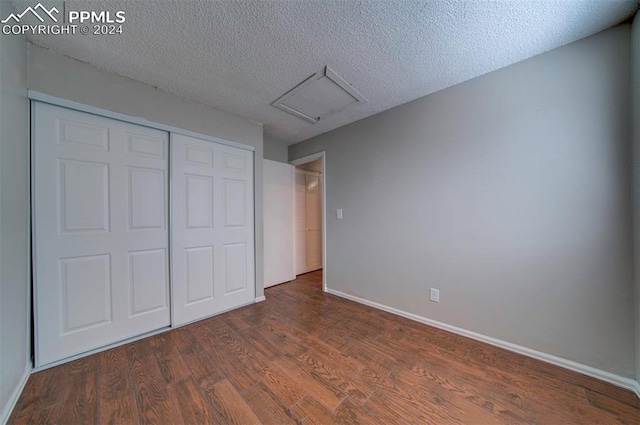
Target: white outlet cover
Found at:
434, 295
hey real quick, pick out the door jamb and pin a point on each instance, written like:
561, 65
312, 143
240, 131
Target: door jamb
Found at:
303, 160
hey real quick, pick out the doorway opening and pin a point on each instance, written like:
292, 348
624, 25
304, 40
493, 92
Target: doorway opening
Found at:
309, 215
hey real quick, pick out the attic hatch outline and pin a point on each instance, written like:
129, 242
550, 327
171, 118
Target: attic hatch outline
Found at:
295, 95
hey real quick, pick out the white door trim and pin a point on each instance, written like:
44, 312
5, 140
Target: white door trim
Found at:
303, 160
70, 104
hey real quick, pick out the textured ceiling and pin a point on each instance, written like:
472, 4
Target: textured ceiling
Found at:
242, 55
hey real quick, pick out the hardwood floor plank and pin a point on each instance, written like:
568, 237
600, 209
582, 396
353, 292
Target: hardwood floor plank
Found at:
338, 342
46, 416
587, 382
196, 357
153, 402
468, 382
230, 405
461, 407
262, 342
435, 404
350, 386
333, 356
237, 345
455, 345
492, 356
470, 386
113, 359
170, 361
397, 333
407, 353
84, 365
312, 412
243, 371
370, 355
117, 402
280, 384
349, 412
322, 390
267, 406
235, 321
521, 380
541, 393
385, 413
290, 344
191, 404
622, 411
282, 325
80, 404
407, 410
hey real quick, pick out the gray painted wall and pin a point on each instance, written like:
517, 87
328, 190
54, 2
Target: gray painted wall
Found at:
61, 76
275, 150
15, 330
510, 193
635, 54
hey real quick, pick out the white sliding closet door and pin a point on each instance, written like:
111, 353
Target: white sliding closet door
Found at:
212, 236
101, 231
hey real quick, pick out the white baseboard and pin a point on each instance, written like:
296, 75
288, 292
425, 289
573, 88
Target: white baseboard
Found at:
609, 377
15, 395
261, 298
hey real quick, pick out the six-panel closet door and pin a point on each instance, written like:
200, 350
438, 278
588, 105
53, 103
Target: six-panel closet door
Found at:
212, 237
101, 231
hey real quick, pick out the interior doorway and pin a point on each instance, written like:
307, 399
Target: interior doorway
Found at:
309, 215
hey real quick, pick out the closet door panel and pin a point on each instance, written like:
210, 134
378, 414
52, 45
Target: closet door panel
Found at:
212, 228
100, 231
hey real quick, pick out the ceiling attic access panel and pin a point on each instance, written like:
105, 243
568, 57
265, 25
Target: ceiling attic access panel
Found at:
319, 96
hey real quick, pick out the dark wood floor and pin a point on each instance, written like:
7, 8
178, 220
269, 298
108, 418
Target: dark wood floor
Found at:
304, 356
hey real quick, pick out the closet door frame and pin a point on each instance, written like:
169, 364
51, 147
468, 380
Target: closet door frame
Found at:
35, 96
302, 211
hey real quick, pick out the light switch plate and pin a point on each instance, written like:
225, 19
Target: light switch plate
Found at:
339, 213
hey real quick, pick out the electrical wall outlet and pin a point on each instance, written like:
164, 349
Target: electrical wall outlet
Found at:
434, 295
